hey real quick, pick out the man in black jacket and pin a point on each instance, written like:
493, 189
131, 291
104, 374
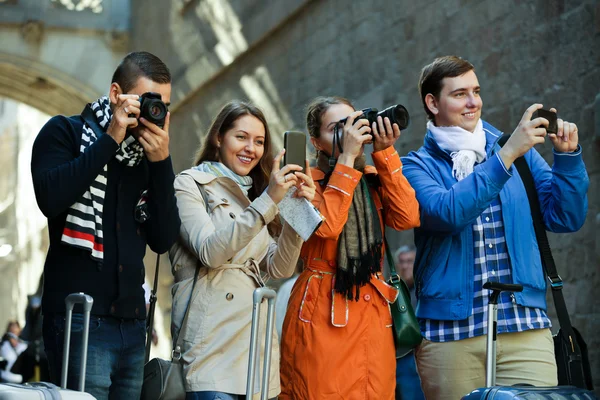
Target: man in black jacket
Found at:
92, 174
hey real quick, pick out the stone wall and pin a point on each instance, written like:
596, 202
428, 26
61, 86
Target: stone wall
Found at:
281, 53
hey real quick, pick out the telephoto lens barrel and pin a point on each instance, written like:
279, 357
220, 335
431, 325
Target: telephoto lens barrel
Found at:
397, 114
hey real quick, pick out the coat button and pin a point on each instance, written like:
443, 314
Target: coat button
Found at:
367, 297
308, 297
138, 231
137, 311
120, 268
112, 309
384, 303
232, 215
224, 200
229, 296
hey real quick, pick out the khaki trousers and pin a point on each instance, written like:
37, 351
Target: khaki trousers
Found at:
450, 370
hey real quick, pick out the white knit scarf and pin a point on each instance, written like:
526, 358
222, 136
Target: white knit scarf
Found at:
466, 148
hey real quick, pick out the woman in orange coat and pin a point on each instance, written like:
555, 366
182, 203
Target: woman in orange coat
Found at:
337, 340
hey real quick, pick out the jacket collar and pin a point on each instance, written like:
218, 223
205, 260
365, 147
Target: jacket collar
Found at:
203, 178
492, 135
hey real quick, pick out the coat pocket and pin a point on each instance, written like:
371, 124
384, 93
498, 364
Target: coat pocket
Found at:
310, 297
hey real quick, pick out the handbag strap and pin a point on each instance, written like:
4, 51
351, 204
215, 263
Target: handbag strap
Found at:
150, 321
394, 277
556, 282
176, 353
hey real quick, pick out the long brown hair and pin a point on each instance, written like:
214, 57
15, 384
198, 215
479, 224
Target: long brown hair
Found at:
224, 121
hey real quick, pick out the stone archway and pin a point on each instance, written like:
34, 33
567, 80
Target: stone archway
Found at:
41, 86
55, 56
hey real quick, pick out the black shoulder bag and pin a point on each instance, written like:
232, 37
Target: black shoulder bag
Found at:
570, 349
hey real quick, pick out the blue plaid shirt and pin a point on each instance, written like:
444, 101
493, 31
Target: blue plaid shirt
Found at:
491, 264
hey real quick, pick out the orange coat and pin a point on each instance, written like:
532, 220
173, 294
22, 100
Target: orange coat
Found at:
333, 348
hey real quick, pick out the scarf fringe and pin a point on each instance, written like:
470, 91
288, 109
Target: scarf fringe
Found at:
348, 282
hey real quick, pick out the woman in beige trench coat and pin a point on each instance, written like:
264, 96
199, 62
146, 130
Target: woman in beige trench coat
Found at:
229, 238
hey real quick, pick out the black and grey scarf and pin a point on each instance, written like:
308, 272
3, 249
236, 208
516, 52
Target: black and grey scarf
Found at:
360, 243
83, 227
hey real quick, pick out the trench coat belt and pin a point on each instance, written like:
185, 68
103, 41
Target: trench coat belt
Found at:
250, 268
339, 303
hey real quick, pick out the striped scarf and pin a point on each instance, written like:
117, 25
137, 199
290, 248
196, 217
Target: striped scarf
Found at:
361, 242
83, 227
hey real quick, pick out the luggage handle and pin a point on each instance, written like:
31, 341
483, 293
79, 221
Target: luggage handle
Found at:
497, 287
258, 296
492, 325
70, 301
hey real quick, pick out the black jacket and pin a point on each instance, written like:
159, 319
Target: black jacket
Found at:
60, 177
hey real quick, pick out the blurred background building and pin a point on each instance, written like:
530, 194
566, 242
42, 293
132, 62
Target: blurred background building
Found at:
57, 55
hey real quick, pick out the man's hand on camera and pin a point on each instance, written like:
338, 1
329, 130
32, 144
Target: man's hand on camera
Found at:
566, 138
155, 140
354, 136
388, 136
527, 134
126, 104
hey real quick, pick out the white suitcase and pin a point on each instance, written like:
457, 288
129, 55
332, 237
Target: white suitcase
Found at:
49, 391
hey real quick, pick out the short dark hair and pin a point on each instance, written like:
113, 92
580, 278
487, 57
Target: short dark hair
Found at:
433, 74
140, 64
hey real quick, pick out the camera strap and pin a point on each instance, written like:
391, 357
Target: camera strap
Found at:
332, 159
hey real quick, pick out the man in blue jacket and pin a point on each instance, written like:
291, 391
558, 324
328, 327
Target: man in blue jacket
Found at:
476, 226
104, 179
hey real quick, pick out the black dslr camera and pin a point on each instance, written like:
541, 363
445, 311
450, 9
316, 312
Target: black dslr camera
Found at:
397, 114
153, 109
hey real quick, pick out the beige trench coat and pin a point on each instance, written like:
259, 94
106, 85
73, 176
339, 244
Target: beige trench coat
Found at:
232, 243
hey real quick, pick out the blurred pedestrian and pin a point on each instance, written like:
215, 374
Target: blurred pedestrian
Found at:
10, 349
408, 383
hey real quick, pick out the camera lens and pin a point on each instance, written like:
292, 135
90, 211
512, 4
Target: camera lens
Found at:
155, 111
397, 114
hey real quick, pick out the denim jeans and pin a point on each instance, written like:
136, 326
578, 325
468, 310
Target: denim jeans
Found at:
214, 396
408, 384
116, 349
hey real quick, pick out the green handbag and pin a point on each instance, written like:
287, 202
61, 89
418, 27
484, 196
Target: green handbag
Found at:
407, 333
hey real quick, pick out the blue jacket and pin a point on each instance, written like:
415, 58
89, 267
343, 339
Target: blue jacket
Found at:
444, 263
